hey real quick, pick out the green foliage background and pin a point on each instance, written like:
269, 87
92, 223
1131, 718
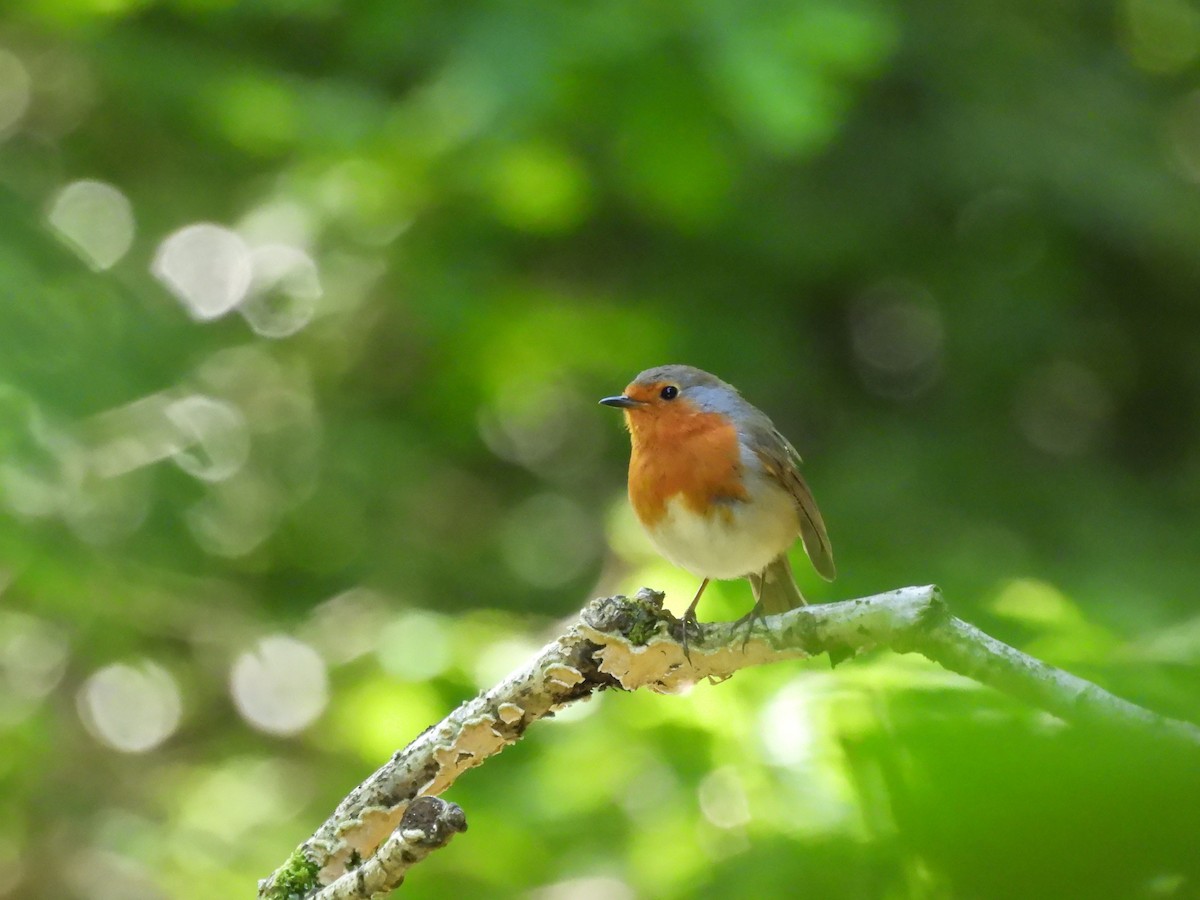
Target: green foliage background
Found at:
951, 248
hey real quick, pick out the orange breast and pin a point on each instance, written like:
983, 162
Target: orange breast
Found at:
678, 451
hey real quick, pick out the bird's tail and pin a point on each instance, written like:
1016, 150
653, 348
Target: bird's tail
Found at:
775, 588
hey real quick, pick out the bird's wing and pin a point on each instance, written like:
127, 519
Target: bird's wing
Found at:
782, 463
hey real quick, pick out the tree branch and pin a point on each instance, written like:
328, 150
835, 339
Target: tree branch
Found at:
635, 643
427, 825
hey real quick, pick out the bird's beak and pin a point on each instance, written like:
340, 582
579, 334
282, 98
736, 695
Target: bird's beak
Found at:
622, 402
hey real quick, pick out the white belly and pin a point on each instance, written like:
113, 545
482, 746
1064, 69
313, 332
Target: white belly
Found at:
720, 546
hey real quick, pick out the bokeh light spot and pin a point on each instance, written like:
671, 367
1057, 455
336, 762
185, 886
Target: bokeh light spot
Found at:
788, 727
366, 196
896, 332
348, 625
216, 439
95, 220
131, 708
279, 220
723, 798
1161, 36
414, 646
100, 510
33, 657
15, 89
284, 290
237, 515
1063, 408
530, 421
548, 540
205, 266
280, 687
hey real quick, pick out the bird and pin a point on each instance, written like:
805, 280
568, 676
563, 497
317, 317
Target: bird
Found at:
718, 488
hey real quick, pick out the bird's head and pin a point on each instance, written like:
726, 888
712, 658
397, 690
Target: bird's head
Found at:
672, 393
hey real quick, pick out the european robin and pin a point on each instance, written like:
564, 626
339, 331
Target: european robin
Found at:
717, 487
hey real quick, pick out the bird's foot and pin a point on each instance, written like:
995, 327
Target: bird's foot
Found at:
688, 622
750, 619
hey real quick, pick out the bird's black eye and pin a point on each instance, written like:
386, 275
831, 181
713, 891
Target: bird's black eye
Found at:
670, 392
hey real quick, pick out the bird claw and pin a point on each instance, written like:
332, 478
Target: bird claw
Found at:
749, 620
688, 620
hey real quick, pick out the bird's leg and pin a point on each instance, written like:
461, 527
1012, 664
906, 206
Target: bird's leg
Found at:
689, 619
